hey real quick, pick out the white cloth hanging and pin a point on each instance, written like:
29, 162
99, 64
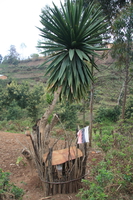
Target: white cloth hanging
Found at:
86, 133
83, 135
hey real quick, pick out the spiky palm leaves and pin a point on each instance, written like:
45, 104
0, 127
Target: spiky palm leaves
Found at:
73, 35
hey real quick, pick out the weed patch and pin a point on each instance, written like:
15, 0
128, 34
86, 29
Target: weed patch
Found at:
7, 188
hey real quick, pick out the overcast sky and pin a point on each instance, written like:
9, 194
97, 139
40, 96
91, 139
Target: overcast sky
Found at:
18, 21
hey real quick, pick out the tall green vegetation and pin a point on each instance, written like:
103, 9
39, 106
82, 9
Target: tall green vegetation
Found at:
69, 115
122, 49
73, 35
19, 100
110, 7
110, 177
13, 57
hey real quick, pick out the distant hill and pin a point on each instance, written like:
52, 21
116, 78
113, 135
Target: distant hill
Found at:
29, 70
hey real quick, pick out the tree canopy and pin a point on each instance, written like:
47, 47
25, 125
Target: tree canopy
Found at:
110, 7
12, 57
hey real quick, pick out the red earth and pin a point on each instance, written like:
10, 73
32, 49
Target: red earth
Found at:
11, 146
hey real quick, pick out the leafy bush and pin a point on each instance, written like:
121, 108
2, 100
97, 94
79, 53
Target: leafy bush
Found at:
68, 115
14, 111
114, 174
104, 176
104, 140
7, 187
129, 107
18, 192
19, 100
94, 191
126, 127
104, 114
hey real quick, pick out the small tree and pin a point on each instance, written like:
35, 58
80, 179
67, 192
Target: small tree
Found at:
123, 47
12, 57
34, 56
110, 7
0, 58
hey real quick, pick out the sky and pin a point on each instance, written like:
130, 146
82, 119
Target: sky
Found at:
18, 22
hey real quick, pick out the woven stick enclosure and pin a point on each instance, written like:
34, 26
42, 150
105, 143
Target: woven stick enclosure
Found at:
61, 170
60, 167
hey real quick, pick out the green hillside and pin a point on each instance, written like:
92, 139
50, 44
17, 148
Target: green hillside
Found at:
108, 80
27, 70
107, 84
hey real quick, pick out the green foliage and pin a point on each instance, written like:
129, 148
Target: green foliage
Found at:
14, 91
22, 93
112, 178
72, 36
34, 98
123, 29
94, 192
15, 126
0, 58
129, 107
34, 56
4, 179
104, 141
3, 83
14, 111
104, 114
104, 176
19, 100
12, 57
18, 192
6, 186
111, 8
49, 98
125, 128
20, 160
68, 115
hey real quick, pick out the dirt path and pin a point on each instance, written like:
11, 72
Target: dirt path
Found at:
11, 145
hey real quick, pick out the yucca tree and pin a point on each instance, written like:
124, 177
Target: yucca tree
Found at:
72, 36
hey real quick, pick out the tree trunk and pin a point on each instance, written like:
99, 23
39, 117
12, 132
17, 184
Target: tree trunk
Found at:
91, 111
125, 91
43, 121
120, 94
126, 79
83, 112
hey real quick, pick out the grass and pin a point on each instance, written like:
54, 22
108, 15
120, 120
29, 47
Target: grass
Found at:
15, 126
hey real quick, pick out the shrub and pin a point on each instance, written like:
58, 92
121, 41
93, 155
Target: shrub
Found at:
18, 192
69, 115
104, 176
7, 187
104, 114
14, 111
104, 141
94, 192
129, 108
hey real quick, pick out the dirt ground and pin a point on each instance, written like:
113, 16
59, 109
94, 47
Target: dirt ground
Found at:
11, 145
